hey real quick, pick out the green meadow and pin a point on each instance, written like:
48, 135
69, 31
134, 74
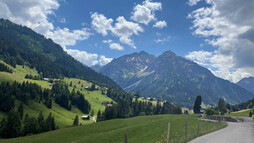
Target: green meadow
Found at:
142, 129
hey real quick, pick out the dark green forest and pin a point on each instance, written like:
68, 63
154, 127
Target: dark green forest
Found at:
21, 45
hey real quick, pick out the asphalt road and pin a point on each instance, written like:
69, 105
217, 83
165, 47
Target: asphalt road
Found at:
241, 132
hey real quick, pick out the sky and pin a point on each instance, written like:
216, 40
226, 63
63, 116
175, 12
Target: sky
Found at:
216, 34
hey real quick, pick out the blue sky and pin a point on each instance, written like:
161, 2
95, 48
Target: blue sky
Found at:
177, 34
217, 34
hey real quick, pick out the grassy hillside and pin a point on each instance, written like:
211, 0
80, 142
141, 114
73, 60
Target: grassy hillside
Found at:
63, 117
244, 113
144, 129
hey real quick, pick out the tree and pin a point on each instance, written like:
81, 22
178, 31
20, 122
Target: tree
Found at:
197, 104
93, 87
92, 113
71, 83
209, 111
21, 110
41, 123
76, 121
13, 125
250, 114
99, 116
223, 110
221, 104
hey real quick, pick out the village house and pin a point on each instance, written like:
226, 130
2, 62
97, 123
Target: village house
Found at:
85, 117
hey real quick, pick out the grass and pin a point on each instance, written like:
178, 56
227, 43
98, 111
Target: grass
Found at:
143, 129
244, 113
63, 117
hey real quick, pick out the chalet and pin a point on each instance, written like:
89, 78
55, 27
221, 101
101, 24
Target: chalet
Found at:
109, 105
85, 117
105, 103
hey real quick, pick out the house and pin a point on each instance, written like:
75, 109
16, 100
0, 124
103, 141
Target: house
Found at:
105, 103
85, 117
109, 105
86, 87
46, 79
56, 80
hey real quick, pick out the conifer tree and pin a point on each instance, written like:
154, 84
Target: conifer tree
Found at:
197, 104
76, 121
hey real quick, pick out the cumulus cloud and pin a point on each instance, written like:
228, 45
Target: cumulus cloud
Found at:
65, 37
83, 57
144, 13
107, 41
101, 24
160, 24
228, 25
34, 14
116, 46
103, 60
123, 29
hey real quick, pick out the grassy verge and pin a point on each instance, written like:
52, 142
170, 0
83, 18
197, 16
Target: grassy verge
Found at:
243, 113
144, 129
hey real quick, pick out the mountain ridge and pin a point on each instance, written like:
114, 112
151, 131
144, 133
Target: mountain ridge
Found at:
173, 78
247, 83
22, 46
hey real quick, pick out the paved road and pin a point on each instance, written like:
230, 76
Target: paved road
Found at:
241, 132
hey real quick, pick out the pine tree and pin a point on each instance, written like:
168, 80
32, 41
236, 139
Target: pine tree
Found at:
99, 116
221, 104
197, 104
250, 114
21, 110
76, 121
41, 123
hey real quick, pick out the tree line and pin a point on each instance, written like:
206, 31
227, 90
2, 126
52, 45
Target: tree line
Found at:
125, 107
12, 126
5, 68
27, 91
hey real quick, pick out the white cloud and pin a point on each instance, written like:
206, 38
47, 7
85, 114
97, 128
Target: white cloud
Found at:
101, 24
160, 24
107, 41
65, 37
123, 29
34, 14
84, 57
145, 13
163, 40
228, 25
116, 46
103, 60
193, 2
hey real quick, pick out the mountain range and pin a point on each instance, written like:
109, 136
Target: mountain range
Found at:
247, 83
173, 78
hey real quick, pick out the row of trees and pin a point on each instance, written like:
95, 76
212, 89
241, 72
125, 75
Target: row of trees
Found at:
36, 77
30, 91
5, 68
125, 107
12, 126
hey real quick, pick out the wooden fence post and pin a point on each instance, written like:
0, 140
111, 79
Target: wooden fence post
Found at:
168, 132
126, 138
198, 127
186, 132
207, 127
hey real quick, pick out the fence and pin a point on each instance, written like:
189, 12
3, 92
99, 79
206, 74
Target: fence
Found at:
189, 132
